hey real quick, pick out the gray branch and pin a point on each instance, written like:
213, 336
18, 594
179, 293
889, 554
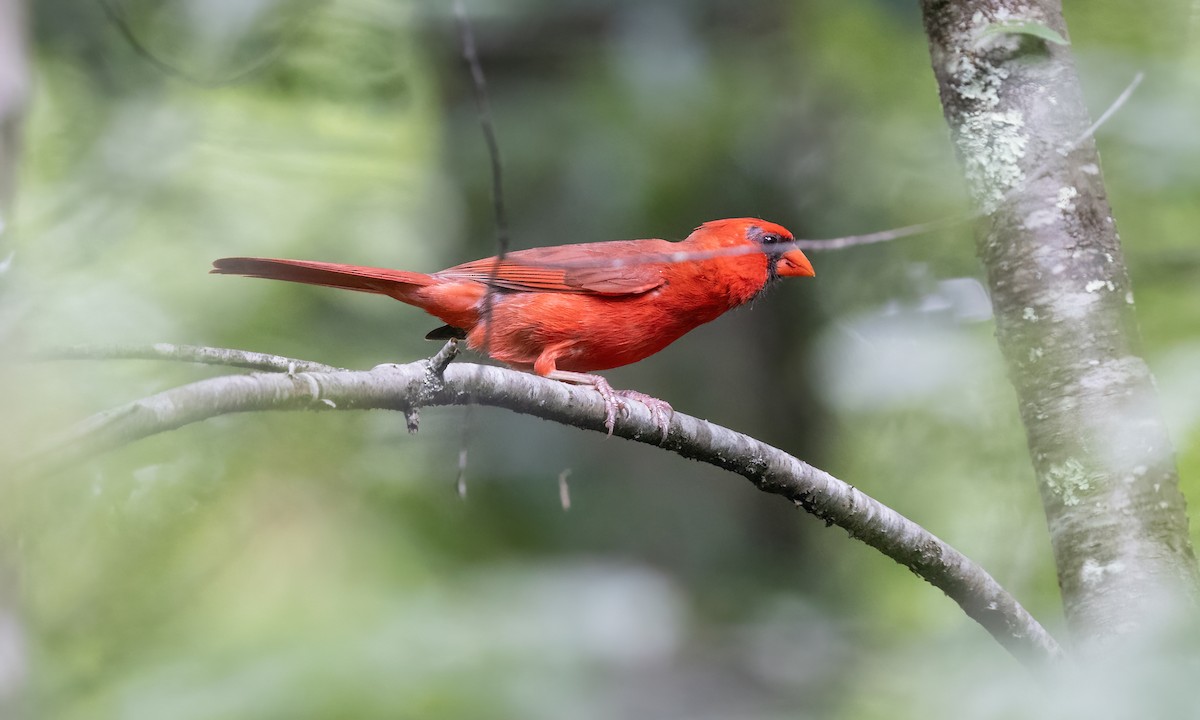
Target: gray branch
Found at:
199, 354
1064, 313
432, 383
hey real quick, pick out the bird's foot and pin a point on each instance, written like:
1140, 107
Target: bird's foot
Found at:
660, 410
614, 400
612, 404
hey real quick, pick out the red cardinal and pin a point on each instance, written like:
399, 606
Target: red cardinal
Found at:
565, 311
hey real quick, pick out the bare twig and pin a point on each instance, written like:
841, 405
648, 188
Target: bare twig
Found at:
483, 108
186, 353
1112, 109
443, 357
926, 227
405, 386
884, 235
564, 490
460, 480
116, 16
841, 243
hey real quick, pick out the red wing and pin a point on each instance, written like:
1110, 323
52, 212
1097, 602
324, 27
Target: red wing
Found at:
624, 267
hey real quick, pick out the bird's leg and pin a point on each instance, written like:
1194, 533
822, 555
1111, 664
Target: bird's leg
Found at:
611, 403
660, 410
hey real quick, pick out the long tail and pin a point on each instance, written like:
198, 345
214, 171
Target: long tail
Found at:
349, 277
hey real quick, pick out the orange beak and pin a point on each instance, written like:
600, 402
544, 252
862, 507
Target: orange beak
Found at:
793, 263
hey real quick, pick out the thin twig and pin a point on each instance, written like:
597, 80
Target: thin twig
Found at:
460, 481
117, 17
1112, 109
403, 386
847, 241
883, 235
564, 490
921, 228
185, 353
483, 108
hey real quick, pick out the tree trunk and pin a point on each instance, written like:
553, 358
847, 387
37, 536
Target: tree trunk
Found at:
1064, 314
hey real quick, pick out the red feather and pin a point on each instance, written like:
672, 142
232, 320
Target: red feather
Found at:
576, 308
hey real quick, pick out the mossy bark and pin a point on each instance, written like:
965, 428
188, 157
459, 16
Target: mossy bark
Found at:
1064, 314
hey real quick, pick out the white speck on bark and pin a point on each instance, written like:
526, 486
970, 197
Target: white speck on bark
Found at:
1040, 218
1115, 373
1065, 197
1092, 572
1072, 306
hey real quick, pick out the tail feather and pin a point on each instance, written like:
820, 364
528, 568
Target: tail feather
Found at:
347, 277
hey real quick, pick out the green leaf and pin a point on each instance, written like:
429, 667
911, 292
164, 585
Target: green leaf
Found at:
1036, 28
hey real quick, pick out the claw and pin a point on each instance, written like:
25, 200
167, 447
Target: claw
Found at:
661, 411
614, 401
612, 405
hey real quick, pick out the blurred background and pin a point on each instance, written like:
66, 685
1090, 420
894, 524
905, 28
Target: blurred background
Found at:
319, 566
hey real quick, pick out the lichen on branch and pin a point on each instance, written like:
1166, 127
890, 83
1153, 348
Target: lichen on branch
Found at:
1062, 301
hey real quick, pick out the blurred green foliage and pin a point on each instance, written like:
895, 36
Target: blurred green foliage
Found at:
321, 566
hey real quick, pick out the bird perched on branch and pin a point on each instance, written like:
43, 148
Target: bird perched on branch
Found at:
565, 311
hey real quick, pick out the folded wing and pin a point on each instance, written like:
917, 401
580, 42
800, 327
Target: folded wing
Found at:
626, 267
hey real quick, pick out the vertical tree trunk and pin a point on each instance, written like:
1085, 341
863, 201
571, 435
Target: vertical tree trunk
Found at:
1064, 313
14, 92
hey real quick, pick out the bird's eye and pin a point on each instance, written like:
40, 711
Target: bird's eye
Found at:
771, 239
